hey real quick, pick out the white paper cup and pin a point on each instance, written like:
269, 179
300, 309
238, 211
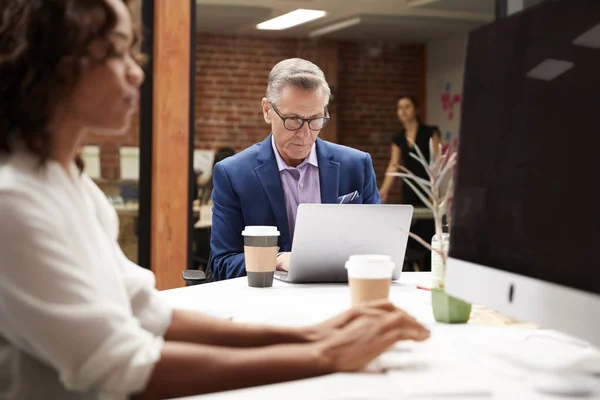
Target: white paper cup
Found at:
369, 277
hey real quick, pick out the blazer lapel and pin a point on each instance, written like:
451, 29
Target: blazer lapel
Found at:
329, 173
268, 174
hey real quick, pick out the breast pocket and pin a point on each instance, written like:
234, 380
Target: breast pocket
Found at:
350, 198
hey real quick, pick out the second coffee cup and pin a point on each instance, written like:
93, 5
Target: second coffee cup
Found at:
260, 252
369, 277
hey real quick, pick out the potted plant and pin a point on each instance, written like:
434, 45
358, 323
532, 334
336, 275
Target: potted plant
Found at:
436, 193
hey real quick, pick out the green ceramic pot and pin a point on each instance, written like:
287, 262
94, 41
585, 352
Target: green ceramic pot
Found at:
448, 309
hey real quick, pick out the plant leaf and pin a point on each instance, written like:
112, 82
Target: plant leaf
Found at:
421, 158
452, 158
424, 199
419, 152
449, 192
449, 166
415, 177
402, 168
428, 247
439, 165
450, 189
423, 186
423, 163
440, 161
411, 176
408, 173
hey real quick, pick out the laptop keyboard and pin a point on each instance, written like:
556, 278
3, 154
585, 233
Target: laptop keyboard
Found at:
281, 275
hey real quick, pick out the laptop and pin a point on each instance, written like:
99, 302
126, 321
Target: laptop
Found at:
326, 235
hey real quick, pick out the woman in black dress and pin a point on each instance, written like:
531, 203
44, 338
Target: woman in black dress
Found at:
413, 131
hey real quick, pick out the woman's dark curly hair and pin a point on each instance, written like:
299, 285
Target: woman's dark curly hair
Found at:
42, 45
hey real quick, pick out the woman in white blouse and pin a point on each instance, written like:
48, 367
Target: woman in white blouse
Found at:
77, 319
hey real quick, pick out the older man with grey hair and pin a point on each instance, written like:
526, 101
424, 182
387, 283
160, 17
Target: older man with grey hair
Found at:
264, 184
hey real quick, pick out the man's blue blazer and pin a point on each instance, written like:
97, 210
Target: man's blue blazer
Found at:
248, 191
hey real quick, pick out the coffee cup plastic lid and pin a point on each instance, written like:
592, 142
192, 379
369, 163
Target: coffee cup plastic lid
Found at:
370, 258
259, 230
370, 266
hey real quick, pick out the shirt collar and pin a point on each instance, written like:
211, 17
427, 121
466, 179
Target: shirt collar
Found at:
312, 158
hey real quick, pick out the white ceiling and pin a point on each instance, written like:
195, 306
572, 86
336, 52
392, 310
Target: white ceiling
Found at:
405, 21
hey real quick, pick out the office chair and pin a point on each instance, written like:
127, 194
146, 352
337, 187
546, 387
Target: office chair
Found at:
193, 277
196, 277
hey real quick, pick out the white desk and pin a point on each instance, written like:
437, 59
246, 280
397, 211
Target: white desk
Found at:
453, 352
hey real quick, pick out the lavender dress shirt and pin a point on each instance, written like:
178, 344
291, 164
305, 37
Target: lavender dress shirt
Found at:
300, 184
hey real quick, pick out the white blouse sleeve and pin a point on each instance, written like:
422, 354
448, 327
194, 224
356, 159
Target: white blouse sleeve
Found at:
49, 309
149, 308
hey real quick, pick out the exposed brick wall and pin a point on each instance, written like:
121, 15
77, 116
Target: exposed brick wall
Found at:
231, 76
371, 80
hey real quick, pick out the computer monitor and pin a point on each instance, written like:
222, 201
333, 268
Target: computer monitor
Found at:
525, 234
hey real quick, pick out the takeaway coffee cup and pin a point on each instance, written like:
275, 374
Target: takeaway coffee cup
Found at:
260, 252
369, 277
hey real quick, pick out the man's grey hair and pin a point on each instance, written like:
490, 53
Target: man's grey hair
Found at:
299, 73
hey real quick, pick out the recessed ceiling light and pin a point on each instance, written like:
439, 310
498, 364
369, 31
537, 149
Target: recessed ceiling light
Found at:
590, 38
550, 69
290, 19
419, 3
335, 27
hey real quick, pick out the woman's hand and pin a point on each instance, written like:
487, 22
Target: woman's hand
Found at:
395, 160
363, 338
331, 326
384, 195
348, 342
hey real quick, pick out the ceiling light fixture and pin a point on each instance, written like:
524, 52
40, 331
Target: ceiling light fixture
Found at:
550, 69
420, 3
291, 19
338, 26
590, 38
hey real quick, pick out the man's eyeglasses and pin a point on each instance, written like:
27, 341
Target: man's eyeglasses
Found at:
296, 123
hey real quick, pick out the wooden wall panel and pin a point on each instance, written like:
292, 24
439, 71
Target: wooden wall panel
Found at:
171, 80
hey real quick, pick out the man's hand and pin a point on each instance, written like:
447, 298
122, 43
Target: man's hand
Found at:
283, 262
